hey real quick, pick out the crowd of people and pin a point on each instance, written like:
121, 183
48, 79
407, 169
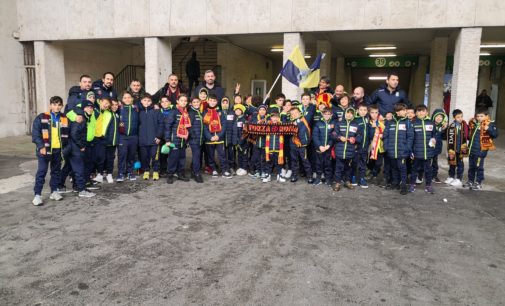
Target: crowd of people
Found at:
341, 140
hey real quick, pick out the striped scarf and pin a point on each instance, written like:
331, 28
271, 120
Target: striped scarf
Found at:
46, 122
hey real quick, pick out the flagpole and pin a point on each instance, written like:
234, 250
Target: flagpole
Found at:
270, 91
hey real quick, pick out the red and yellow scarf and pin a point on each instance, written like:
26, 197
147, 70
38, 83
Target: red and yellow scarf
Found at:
280, 159
486, 142
377, 146
184, 123
213, 120
296, 138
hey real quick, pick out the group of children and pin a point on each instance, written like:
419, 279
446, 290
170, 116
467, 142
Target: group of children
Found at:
334, 144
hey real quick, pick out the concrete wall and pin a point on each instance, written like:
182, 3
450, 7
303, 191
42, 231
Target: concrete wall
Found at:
66, 19
13, 114
95, 58
237, 70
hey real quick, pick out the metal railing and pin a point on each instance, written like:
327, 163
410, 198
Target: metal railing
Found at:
126, 75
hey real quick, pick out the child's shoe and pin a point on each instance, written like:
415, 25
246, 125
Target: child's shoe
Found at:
266, 179
37, 200
156, 176
280, 178
429, 189
412, 188
362, 183
337, 187
354, 182
109, 178
456, 183
449, 181
55, 196
214, 173
98, 178
348, 185
227, 175
146, 175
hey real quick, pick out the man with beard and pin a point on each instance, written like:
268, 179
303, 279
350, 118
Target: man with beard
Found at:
171, 89
389, 94
103, 87
212, 86
359, 97
136, 90
77, 94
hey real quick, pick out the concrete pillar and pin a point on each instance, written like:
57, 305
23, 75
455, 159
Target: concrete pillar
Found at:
466, 68
438, 57
500, 103
418, 81
324, 46
484, 79
158, 62
291, 40
49, 73
340, 77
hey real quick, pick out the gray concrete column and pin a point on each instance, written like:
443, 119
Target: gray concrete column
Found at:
291, 40
158, 62
49, 73
438, 58
324, 46
418, 82
465, 71
340, 77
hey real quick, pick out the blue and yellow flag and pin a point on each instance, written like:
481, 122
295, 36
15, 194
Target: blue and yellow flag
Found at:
297, 72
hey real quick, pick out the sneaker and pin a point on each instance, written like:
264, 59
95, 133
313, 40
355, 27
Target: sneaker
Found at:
86, 194
62, 190
429, 189
337, 187
362, 183
232, 171
283, 172
449, 180
456, 183
349, 185
37, 200
156, 176
403, 189
92, 186
317, 181
208, 170
120, 178
280, 178
241, 172
170, 179
437, 180
263, 175
98, 178
55, 196
476, 186
468, 184
288, 174
132, 177
310, 181
419, 180
256, 175
353, 181
412, 187
109, 178
182, 177
215, 174
293, 179
227, 175
266, 179
389, 186
198, 178
146, 175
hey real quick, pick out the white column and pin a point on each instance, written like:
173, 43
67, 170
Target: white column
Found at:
158, 61
418, 81
324, 46
291, 40
465, 72
49, 73
438, 57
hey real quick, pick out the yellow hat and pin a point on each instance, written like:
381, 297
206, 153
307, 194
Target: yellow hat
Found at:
239, 106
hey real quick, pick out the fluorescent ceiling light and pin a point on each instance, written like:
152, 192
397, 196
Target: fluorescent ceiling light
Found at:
372, 48
484, 54
277, 49
493, 46
383, 55
377, 78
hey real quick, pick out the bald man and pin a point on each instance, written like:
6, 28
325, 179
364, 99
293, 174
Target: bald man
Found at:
359, 97
339, 93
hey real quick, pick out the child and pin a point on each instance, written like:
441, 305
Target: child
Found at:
102, 123
286, 118
258, 148
339, 110
308, 109
203, 96
50, 131
457, 148
228, 146
177, 133
128, 137
360, 159
376, 124
274, 151
298, 145
398, 138
482, 133
240, 142
440, 119
111, 140
196, 139
166, 108
150, 134
411, 116
423, 149
323, 143
278, 104
214, 130
346, 136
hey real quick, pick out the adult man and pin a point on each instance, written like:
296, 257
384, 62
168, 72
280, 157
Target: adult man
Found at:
323, 92
136, 90
389, 94
103, 87
170, 89
192, 71
359, 97
77, 94
211, 85
339, 93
